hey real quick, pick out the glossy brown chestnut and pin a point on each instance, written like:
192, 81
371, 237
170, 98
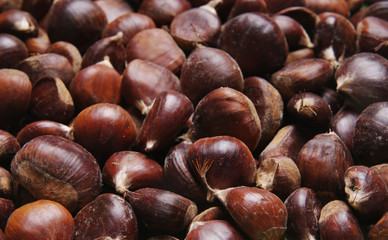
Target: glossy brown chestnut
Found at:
243, 6
18, 23
379, 230
166, 118
259, 213
268, 104
38, 220
338, 222
207, 69
98, 83
305, 75
372, 35
112, 47
104, 129
335, 6
366, 192
299, 54
76, 21
256, 42
212, 213
305, 16
303, 211
370, 136
12, 50
310, 109
362, 79
322, 163
7, 207
377, 9
15, 94
382, 171
226, 111
69, 51
51, 100
213, 230
128, 170
158, 46
108, 216
114, 9
210, 156
9, 145
279, 175
162, 211
163, 11
38, 44
52, 167
333, 98
5, 184
343, 124
47, 65
44, 127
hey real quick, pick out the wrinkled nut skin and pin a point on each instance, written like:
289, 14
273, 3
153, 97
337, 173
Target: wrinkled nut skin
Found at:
12, 50
9, 146
214, 229
322, 163
338, 222
207, 69
259, 213
38, 220
370, 135
379, 230
162, 211
108, 216
343, 124
303, 209
7, 207
52, 167
226, 111
366, 192
128, 170
256, 42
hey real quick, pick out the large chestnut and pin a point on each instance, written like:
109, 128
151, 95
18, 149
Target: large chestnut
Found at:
41, 219
52, 167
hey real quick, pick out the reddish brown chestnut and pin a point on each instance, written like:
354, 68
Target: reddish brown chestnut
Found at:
114, 9
243, 6
303, 209
382, 171
38, 44
9, 145
38, 220
128, 170
214, 229
305, 16
343, 124
108, 216
212, 213
5, 184
335, 6
69, 51
18, 23
6, 208
52, 167
299, 54
373, 35
12, 50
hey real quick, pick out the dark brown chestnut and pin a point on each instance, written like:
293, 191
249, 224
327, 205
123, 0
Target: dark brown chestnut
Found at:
372, 35
343, 124
7, 206
210, 156
256, 42
15, 94
338, 222
366, 192
38, 8
52, 167
104, 129
108, 216
44, 127
114, 9
167, 116
143, 80
207, 69
379, 230
362, 80
76, 21
370, 135
303, 211
335, 6
163, 11
322, 163
299, 54
69, 51
243, 6
40, 219
51, 100
268, 104
18, 23
12, 50
128, 170
212, 213
333, 98
5, 184
213, 230
377, 9
305, 75
98, 83
226, 111
382, 171
274, 6
162, 211
158, 46
9, 146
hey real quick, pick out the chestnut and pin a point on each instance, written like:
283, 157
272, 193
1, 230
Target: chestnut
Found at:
379, 230
212, 213
226, 111
373, 35
129, 170
69, 51
7, 207
54, 168
322, 163
18, 23
5, 184
243, 6
370, 140
12, 50
2, 236
40, 219
114, 9
335, 6
9, 146
167, 116
274, 6
382, 171
43, 127
333, 98
343, 124
299, 54
104, 129
38, 44
256, 42
76, 21
15, 95
213, 230
303, 211
112, 218
338, 222
38, 8
207, 69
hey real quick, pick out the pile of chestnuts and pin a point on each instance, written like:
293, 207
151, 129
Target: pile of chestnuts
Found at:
194, 119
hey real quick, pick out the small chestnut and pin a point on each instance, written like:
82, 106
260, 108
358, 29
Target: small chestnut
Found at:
9, 145
12, 50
